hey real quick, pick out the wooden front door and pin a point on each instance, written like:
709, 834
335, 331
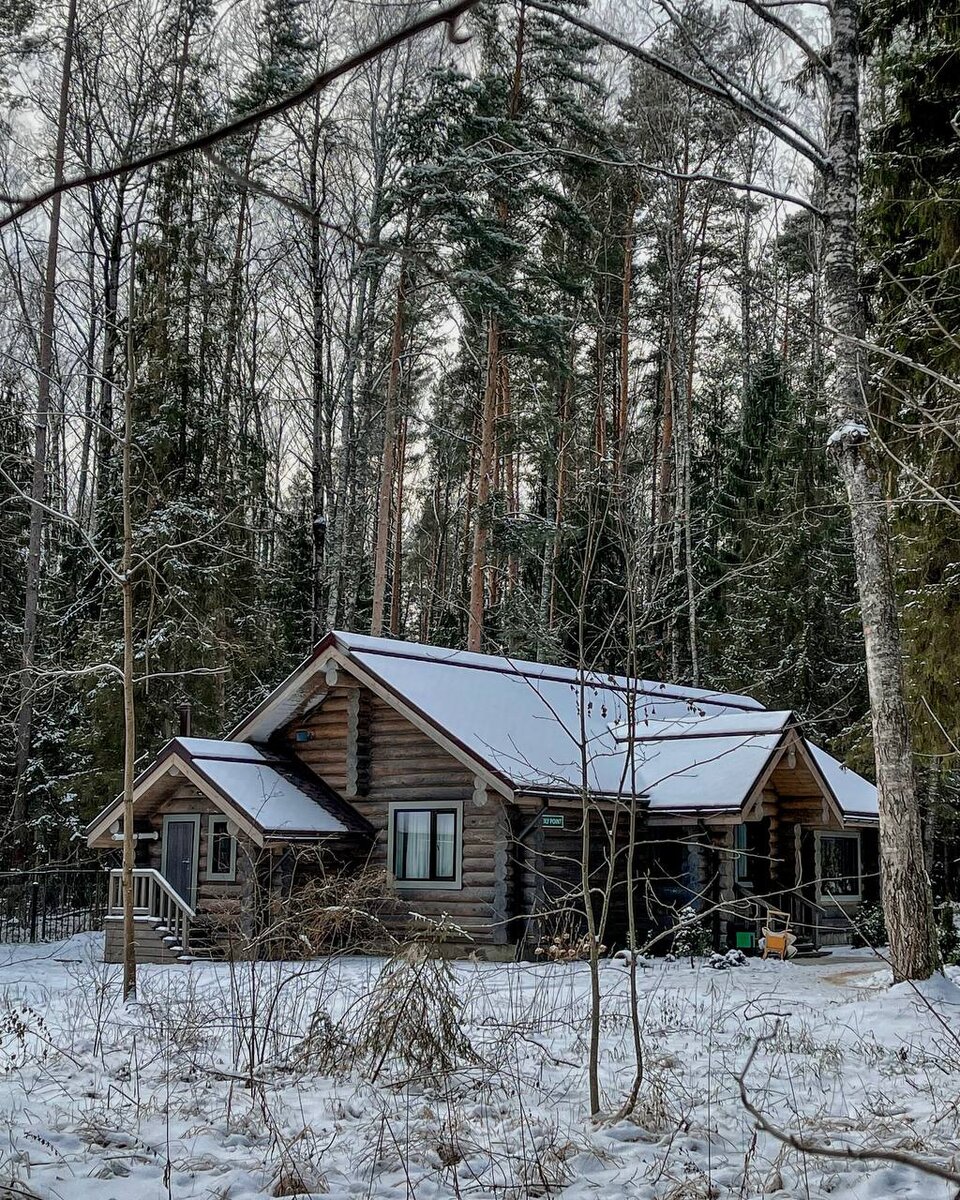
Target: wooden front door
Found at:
180, 838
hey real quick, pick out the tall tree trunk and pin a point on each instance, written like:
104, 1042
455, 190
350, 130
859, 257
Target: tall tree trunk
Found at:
31, 604
623, 403
478, 560
389, 458
905, 886
318, 424
396, 580
129, 715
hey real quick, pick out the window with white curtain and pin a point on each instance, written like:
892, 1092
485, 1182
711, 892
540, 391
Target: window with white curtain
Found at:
425, 844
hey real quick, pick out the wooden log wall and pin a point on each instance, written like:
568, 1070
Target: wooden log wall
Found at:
372, 755
225, 900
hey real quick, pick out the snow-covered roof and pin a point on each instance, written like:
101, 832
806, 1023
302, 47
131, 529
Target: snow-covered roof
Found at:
543, 728
531, 722
274, 792
702, 759
856, 795
273, 795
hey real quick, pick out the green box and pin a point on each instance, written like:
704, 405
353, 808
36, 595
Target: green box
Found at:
744, 940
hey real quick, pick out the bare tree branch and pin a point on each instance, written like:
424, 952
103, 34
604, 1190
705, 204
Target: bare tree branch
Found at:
449, 14
812, 54
776, 124
849, 1153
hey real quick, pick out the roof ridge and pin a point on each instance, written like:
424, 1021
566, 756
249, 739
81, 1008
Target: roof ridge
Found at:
544, 671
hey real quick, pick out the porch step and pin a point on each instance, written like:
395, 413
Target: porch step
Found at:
809, 950
154, 943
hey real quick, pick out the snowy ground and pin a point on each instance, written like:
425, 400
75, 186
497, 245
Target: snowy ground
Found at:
209, 1087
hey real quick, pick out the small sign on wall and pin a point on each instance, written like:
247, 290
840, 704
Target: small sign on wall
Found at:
552, 820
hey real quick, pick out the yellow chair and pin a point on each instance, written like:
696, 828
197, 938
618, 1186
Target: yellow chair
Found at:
775, 943
778, 941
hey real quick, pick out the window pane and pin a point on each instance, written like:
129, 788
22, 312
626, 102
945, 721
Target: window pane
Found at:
742, 862
446, 844
839, 866
411, 855
221, 851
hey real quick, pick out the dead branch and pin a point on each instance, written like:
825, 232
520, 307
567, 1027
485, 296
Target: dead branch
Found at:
849, 1153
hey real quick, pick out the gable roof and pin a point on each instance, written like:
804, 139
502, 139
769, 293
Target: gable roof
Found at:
531, 727
271, 795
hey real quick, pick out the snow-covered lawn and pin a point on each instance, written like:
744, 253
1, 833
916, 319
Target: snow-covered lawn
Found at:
284, 1079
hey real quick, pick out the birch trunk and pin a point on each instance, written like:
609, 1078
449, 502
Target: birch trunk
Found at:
905, 886
129, 715
31, 605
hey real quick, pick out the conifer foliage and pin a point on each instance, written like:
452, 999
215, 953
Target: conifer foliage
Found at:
479, 348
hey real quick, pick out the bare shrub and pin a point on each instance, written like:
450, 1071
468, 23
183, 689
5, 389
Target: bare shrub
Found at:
24, 1036
413, 1017
317, 911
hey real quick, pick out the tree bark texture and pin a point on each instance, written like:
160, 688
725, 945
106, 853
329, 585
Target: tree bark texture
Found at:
905, 885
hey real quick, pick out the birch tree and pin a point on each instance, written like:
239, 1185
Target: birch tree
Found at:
906, 890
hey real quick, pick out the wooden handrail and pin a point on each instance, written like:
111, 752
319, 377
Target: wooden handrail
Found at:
153, 897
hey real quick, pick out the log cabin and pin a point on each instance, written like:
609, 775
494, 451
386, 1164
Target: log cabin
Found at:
479, 790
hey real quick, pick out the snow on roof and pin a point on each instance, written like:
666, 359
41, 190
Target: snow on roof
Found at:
212, 748
703, 772
362, 644
856, 795
266, 788
702, 759
528, 722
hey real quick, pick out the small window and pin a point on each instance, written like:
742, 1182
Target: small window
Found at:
221, 850
742, 861
839, 865
425, 845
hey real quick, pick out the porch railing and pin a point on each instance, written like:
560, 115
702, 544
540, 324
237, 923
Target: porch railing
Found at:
154, 900
805, 918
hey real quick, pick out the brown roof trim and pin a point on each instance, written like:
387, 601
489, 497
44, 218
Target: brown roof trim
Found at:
696, 736
328, 639
540, 792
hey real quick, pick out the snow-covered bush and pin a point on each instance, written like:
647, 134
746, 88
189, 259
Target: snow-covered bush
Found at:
723, 962
948, 935
691, 937
870, 927
632, 958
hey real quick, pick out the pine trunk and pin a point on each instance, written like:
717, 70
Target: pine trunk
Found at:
478, 559
388, 461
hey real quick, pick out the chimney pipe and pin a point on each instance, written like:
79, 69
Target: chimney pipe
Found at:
185, 719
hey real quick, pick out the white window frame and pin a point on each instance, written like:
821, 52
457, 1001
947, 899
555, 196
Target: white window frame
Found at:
849, 834
214, 876
428, 885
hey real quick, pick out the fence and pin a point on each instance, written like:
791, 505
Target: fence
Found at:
51, 903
